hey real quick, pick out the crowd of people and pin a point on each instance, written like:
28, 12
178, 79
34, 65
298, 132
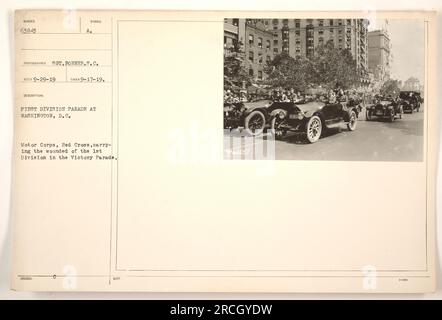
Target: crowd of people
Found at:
233, 97
291, 95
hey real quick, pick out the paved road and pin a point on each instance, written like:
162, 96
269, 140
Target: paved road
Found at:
378, 140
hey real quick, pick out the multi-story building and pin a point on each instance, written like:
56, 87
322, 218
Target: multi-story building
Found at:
412, 84
379, 54
262, 39
254, 40
231, 31
300, 37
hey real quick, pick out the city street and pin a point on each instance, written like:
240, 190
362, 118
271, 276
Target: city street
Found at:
376, 140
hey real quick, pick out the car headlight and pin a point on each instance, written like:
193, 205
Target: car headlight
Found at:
298, 116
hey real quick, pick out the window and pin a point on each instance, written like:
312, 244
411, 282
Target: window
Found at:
251, 39
297, 23
321, 40
251, 56
310, 41
330, 22
321, 22
260, 75
331, 31
339, 22
235, 22
275, 27
259, 42
275, 50
251, 72
298, 41
297, 32
340, 39
275, 42
260, 58
321, 32
348, 22
268, 44
267, 59
340, 31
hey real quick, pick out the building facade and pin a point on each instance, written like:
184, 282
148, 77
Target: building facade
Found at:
254, 40
262, 39
379, 54
412, 84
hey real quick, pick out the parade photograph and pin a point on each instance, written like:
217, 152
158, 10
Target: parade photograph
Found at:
324, 89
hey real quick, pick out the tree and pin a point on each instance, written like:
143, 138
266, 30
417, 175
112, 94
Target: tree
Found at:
288, 72
329, 67
333, 67
234, 67
390, 87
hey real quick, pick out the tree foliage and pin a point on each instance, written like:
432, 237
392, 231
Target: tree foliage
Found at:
234, 68
288, 72
329, 67
334, 67
390, 87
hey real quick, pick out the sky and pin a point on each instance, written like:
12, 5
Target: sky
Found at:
407, 38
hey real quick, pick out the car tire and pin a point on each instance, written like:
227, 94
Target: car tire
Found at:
351, 125
278, 134
368, 116
275, 118
313, 129
392, 116
254, 123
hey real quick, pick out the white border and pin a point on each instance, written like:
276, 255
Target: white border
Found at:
6, 97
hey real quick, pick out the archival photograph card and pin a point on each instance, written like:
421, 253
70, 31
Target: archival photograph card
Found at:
318, 176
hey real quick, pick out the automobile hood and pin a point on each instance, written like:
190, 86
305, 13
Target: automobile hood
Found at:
310, 106
257, 104
383, 103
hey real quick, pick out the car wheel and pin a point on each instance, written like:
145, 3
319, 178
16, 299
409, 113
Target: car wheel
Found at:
277, 132
351, 125
255, 123
368, 115
392, 116
314, 129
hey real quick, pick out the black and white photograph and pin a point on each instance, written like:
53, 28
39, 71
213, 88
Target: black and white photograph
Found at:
324, 89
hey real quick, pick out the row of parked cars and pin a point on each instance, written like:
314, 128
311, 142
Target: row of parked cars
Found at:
313, 117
